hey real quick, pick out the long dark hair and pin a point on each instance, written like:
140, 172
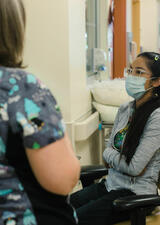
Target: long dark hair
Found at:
142, 113
12, 30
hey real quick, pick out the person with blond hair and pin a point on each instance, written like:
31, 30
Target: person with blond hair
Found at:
38, 167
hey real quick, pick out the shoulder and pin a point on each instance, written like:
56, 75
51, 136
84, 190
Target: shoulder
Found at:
126, 106
14, 81
153, 122
16, 75
7, 72
155, 115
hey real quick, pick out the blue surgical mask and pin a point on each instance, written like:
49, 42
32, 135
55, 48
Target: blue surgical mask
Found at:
135, 86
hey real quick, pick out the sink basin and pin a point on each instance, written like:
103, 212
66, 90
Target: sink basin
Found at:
110, 92
107, 97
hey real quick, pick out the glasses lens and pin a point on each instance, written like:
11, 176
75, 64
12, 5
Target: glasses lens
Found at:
135, 72
128, 71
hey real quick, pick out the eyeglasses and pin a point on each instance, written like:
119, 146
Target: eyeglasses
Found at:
135, 72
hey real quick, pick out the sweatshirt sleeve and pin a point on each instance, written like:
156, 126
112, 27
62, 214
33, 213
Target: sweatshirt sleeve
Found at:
109, 144
149, 144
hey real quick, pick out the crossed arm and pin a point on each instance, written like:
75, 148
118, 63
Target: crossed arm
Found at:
149, 144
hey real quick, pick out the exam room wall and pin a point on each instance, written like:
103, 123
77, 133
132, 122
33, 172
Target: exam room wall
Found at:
55, 52
150, 25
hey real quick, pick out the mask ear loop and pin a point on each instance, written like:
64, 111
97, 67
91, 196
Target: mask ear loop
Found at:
155, 94
149, 88
153, 78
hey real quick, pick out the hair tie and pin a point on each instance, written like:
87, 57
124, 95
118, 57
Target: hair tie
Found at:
156, 58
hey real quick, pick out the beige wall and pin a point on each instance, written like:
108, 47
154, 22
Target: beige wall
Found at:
103, 43
149, 25
80, 95
55, 52
129, 15
47, 46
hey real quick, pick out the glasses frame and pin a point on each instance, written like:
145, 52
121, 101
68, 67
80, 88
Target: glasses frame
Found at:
134, 74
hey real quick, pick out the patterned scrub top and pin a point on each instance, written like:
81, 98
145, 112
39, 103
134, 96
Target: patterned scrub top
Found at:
29, 118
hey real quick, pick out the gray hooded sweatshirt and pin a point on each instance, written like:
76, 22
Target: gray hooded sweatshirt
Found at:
147, 156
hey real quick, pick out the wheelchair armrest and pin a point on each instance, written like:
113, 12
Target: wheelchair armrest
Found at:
137, 201
90, 173
138, 206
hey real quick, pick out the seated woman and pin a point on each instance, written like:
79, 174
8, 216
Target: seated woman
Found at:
132, 155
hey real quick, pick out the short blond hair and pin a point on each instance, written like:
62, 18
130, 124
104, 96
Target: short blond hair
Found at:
12, 31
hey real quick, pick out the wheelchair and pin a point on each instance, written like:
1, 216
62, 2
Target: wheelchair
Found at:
137, 206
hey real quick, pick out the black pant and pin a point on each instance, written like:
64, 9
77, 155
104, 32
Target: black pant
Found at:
94, 205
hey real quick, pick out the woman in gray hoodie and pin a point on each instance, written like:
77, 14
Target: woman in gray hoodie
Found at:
132, 155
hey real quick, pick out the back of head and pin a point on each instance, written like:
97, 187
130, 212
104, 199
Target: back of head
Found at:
12, 30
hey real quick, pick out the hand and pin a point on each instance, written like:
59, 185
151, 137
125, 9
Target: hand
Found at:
106, 165
143, 171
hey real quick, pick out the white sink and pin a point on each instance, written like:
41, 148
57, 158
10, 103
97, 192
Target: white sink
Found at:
110, 92
107, 97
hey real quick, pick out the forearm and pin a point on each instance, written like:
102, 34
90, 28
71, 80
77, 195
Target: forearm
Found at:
112, 157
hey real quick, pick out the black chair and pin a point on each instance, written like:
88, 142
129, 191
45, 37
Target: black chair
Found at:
138, 206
